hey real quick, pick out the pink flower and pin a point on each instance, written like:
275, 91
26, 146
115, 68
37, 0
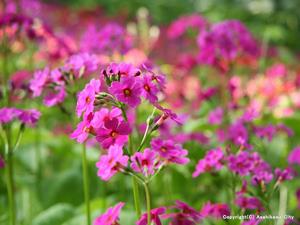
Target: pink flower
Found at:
39, 81
276, 70
83, 129
181, 25
108, 165
294, 156
144, 162
253, 221
149, 89
30, 116
53, 98
113, 132
111, 216
169, 151
216, 116
238, 134
186, 216
103, 115
128, 91
251, 203
8, 114
86, 98
155, 213
241, 163
265, 131
282, 175
211, 161
81, 64
217, 210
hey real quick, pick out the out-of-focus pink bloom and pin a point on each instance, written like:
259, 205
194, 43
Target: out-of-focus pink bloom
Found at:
238, 134
169, 151
217, 210
29, 117
108, 165
86, 98
144, 162
261, 171
251, 203
103, 115
113, 132
216, 116
241, 163
39, 81
81, 64
211, 161
186, 216
294, 156
155, 214
19, 79
8, 114
111, 216
283, 175
276, 70
267, 132
225, 41
252, 221
298, 197
181, 25
53, 98
128, 91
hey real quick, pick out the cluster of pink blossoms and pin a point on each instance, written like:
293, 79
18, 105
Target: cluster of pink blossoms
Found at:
28, 117
122, 85
182, 214
54, 83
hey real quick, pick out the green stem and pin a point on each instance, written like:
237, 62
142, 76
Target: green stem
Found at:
86, 185
148, 202
10, 178
135, 187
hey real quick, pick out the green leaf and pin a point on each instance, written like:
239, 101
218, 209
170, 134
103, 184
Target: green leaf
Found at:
55, 215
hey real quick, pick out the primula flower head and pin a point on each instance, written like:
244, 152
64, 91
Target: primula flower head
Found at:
155, 214
144, 162
149, 89
113, 132
128, 91
251, 203
111, 216
211, 161
241, 163
86, 98
217, 210
83, 129
169, 151
103, 115
29, 117
39, 81
216, 116
111, 163
294, 156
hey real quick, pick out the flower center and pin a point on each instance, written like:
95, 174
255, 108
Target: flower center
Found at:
127, 92
113, 134
163, 149
87, 99
146, 87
